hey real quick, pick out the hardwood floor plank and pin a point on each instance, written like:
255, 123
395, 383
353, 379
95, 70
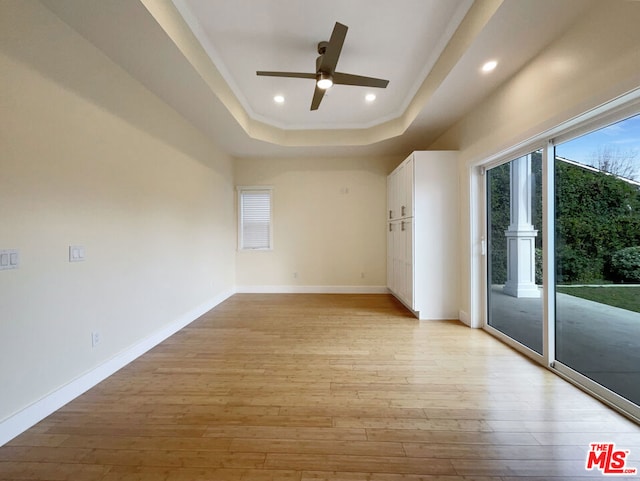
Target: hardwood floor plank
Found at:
377, 464
499, 452
448, 437
287, 446
341, 411
37, 439
153, 473
117, 429
44, 454
560, 414
280, 432
354, 476
322, 387
284, 421
147, 443
168, 458
394, 388
54, 471
575, 426
421, 424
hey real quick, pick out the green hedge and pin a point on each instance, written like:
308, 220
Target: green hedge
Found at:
625, 265
597, 215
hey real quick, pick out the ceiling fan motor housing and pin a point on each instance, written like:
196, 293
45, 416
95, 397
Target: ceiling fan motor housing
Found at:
322, 47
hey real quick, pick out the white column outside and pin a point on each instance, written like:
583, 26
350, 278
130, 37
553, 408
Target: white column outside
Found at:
521, 265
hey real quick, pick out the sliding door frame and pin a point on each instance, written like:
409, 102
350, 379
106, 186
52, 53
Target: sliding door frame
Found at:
614, 111
523, 150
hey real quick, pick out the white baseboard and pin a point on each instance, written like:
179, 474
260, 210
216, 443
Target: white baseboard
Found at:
311, 290
438, 318
36, 412
464, 317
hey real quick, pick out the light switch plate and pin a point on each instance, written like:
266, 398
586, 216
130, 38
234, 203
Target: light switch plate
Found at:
76, 253
9, 259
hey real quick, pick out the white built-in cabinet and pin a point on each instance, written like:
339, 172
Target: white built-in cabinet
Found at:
422, 234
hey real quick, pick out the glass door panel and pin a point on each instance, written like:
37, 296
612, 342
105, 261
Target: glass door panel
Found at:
597, 231
514, 228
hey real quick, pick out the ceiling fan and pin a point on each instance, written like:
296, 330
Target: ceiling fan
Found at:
326, 75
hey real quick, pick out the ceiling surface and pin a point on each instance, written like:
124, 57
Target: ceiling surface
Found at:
383, 41
200, 56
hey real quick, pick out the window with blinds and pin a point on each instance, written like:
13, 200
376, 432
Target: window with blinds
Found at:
255, 231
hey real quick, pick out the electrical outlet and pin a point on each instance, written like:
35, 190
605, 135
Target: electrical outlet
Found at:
295, 275
95, 338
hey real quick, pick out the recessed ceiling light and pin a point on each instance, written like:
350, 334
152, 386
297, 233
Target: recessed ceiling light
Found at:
489, 66
370, 97
279, 99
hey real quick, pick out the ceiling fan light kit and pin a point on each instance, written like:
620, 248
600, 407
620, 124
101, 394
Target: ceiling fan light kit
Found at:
325, 74
324, 81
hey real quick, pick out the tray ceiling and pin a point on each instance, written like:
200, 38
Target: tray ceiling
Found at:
200, 57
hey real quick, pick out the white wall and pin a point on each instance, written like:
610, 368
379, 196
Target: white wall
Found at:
595, 61
90, 157
329, 225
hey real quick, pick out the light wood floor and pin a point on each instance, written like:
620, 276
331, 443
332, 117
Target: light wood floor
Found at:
323, 387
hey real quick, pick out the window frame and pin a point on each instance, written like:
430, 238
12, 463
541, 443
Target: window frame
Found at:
241, 190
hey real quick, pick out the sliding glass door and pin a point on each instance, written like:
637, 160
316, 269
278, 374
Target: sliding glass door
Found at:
514, 228
597, 231
588, 326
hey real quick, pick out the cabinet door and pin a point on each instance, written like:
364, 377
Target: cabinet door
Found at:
400, 191
398, 259
390, 253
401, 198
407, 267
389, 197
395, 257
407, 188
393, 187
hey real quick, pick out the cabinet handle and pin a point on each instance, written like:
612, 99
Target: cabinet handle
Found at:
390, 227
402, 226
402, 209
390, 214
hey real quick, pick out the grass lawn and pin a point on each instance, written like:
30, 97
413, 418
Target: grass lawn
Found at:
623, 297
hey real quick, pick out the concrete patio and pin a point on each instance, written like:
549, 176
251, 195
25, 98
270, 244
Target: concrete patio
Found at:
600, 341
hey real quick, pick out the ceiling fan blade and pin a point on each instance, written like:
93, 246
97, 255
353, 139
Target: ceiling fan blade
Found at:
287, 74
359, 80
332, 53
317, 98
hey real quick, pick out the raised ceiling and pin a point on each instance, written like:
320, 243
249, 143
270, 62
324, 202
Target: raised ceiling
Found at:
398, 41
200, 56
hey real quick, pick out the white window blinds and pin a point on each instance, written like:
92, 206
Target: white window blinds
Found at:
255, 218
